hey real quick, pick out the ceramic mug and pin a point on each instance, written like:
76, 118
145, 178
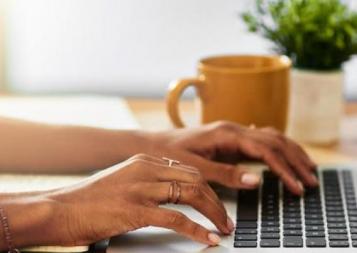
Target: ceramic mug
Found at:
247, 89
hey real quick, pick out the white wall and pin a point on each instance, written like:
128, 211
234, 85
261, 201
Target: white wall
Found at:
130, 47
126, 46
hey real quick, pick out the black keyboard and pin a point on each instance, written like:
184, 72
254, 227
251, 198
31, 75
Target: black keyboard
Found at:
272, 217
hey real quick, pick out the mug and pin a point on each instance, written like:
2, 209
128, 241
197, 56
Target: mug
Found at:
246, 89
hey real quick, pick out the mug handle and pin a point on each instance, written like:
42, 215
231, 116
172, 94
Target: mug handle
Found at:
176, 89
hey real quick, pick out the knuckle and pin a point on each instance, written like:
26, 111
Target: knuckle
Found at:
197, 179
269, 153
176, 219
140, 156
195, 190
194, 228
223, 125
137, 162
274, 148
230, 175
271, 130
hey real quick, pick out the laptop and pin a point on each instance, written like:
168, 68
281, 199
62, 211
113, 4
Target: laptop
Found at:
270, 219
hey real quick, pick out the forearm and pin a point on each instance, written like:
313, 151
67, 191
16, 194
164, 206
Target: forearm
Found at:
34, 147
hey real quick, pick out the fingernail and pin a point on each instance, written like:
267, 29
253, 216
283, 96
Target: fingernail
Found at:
300, 186
215, 239
230, 224
250, 179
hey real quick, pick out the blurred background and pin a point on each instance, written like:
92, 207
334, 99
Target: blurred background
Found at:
120, 47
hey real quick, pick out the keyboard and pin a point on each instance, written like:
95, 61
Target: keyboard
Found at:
272, 217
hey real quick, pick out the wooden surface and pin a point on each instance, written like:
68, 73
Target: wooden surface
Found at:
151, 115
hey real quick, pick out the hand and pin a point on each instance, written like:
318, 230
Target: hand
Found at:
216, 148
127, 197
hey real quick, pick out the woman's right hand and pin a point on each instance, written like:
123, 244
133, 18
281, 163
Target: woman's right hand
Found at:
128, 196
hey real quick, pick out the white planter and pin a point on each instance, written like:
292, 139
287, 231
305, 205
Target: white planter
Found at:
316, 104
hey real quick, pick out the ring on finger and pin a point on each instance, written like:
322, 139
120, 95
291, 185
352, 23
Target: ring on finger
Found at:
174, 192
171, 161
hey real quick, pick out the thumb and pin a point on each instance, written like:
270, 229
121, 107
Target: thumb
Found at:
234, 176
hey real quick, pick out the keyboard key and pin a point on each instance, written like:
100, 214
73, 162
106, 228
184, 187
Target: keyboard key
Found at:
292, 233
337, 237
337, 231
334, 209
269, 243
353, 224
314, 222
339, 244
245, 237
292, 215
270, 224
270, 218
314, 216
292, 241
270, 236
336, 219
335, 214
246, 224
336, 225
315, 234
270, 229
313, 211
292, 221
292, 226
354, 237
246, 231
354, 244
315, 242
247, 205
314, 228
245, 244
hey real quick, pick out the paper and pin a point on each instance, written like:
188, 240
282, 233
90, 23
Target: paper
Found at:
96, 111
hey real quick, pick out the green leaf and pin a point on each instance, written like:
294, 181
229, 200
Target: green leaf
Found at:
316, 34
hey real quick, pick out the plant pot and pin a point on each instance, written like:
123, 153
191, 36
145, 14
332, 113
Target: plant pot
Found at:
316, 104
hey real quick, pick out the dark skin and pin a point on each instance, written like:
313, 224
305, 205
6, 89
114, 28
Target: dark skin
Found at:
117, 200
220, 146
34, 147
210, 152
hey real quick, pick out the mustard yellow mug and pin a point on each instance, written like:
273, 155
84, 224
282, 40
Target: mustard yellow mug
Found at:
246, 89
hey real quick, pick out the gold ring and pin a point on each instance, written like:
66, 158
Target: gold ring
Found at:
174, 193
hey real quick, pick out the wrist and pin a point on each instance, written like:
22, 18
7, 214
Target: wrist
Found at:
134, 142
31, 221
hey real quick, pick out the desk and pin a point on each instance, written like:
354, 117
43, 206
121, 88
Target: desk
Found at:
151, 114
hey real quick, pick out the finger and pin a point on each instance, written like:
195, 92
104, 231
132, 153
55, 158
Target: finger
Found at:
294, 158
311, 164
196, 196
224, 174
161, 217
177, 173
298, 150
280, 167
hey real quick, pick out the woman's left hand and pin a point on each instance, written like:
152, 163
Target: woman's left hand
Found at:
216, 148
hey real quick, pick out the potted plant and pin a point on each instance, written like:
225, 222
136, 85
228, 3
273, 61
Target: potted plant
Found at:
318, 36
